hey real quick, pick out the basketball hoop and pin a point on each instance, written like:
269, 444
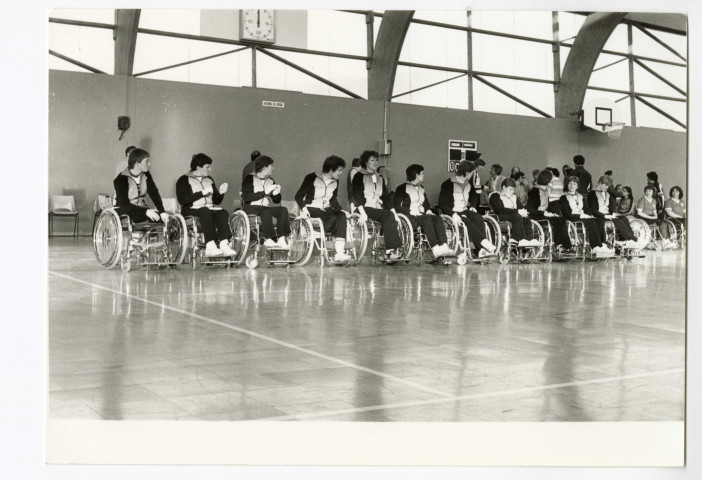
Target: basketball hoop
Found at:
613, 129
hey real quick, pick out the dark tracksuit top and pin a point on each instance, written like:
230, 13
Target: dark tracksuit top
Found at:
189, 191
316, 193
411, 200
131, 191
253, 191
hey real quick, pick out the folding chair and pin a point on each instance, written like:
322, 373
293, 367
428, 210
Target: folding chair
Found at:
63, 206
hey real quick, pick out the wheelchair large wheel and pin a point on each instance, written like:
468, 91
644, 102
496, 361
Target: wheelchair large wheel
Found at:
642, 232
176, 237
301, 241
676, 232
492, 231
540, 236
452, 233
239, 225
108, 239
610, 234
406, 234
359, 234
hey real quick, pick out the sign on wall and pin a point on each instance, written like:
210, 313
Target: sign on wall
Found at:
457, 151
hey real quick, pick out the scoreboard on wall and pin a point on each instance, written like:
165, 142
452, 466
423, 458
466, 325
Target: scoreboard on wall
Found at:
461, 150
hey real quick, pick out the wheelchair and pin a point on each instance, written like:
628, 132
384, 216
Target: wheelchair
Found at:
376, 241
509, 251
196, 253
457, 235
308, 233
618, 246
677, 233
649, 236
422, 247
116, 239
247, 238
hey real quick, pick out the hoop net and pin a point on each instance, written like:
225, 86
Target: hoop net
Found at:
613, 129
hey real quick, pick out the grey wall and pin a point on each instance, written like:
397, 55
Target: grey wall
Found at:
175, 120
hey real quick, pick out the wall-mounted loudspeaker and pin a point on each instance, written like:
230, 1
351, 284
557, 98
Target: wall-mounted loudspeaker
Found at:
123, 125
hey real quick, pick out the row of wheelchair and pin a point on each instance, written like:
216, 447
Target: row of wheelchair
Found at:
119, 241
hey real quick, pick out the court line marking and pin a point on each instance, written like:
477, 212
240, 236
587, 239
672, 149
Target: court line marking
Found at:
456, 398
260, 336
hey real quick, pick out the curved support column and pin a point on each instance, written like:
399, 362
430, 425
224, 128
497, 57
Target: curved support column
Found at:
391, 36
586, 48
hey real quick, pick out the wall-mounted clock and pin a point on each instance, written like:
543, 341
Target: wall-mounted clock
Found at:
258, 25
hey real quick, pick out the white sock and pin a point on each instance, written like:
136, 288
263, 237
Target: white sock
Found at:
339, 244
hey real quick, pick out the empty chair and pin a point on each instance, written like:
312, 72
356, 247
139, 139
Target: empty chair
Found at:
63, 206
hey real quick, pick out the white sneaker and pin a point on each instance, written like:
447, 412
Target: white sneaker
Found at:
524, 243
226, 249
483, 253
270, 243
282, 243
446, 250
513, 240
535, 243
342, 257
437, 251
211, 250
393, 255
631, 244
597, 250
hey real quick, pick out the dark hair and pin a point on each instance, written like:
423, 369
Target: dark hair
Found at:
618, 185
200, 160
332, 163
608, 173
678, 189
464, 167
255, 154
498, 168
604, 180
136, 156
652, 176
480, 162
129, 149
567, 172
366, 155
555, 172
566, 167
649, 187
572, 178
413, 170
356, 162
519, 175
544, 177
628, 189
508, 182
579, 160
535, 171
262, 162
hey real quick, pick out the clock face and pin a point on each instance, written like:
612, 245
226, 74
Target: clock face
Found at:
258, 25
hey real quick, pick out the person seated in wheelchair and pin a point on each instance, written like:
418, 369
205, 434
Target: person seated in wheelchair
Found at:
625, 203
198, 196
258, 192
647, 210
131, 187
601, 204
674, 206
372, 200
410, 200
539, 208
574, 206
509, 208
317, 198
454, 200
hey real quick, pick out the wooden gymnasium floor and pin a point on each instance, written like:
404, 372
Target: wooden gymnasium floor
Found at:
550, 342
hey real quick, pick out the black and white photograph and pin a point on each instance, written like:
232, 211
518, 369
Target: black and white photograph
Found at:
336, 235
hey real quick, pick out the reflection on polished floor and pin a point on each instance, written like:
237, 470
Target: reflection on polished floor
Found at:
594, 341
